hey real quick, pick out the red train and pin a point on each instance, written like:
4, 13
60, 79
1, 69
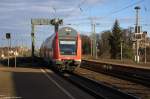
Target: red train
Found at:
63, 49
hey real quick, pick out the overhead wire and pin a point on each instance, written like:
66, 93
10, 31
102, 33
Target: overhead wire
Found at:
114, 12
117, 11
77, 6
126, 7
105, 16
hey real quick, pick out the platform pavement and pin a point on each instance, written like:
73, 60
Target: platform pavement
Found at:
122, 63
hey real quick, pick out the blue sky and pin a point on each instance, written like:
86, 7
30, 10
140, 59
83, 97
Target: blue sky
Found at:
15, 16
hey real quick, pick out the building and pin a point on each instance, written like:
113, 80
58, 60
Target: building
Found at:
22, 51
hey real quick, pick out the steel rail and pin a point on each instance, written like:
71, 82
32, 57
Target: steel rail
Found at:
97, 89
127, 73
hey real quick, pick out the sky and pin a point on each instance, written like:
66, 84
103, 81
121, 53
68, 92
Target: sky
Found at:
16, 15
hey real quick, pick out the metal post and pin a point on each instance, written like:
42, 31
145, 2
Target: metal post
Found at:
91, 46
145, 54
91, 37
137, 30
137, 52
33, 40
15, 61
137, 16
94, 41
56, 27
96, 50
121, 50
145, 50
8, 52
8, 37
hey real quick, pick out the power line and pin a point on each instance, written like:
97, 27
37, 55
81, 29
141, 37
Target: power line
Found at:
114, 12
78, 6
126, 7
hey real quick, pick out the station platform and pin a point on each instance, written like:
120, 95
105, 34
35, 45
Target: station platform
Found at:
123, 63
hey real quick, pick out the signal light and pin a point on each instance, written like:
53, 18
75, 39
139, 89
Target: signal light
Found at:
145, 32
32, 34
8, 36
56, 21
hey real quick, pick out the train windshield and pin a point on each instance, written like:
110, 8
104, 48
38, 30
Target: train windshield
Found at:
67, 47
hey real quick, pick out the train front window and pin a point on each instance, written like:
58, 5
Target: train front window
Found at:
67, 47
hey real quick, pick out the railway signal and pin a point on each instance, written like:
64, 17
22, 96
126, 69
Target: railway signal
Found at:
56, 22
8, 37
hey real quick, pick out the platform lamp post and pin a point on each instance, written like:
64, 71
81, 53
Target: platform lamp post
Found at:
8, 37
137, 33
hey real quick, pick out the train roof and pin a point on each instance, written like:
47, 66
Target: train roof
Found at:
67, 31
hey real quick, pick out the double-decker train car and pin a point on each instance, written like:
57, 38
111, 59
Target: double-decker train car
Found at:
62, 49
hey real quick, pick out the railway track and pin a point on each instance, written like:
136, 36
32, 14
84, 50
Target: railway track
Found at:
135, 89
97, 89
136, 75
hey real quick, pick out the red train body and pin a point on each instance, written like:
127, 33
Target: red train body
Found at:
63, 49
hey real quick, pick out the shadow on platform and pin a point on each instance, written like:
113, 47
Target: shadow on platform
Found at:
28, 62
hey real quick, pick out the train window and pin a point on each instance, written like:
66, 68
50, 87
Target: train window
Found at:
67, 47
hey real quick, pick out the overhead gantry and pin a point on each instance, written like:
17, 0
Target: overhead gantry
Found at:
55, 22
